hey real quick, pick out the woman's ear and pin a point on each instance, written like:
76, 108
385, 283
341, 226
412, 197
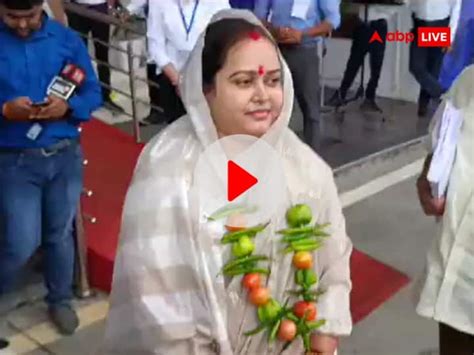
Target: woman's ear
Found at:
208, 90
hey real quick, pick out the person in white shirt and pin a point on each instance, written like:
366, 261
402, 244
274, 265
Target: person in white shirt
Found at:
425, 62
57, 10
446, 289
100, 32
361, 45
173, 29
141, 8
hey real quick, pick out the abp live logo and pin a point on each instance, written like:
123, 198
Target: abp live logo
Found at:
427, 37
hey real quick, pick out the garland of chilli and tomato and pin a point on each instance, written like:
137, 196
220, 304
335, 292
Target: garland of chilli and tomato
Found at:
301, 238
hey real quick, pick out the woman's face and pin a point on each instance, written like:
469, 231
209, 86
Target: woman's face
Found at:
247, 96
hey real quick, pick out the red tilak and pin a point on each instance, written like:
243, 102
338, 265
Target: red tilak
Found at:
255, 35
261, 70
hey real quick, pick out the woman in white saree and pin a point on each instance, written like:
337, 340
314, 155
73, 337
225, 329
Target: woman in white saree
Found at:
164, 300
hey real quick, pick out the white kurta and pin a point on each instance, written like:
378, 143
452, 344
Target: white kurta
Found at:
447, 295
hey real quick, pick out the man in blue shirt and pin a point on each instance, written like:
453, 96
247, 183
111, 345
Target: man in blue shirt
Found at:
462, 53
298, 26
40, 154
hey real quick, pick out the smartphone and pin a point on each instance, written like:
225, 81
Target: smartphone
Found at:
40, 103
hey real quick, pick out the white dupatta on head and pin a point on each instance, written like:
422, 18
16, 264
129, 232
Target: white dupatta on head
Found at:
165, 298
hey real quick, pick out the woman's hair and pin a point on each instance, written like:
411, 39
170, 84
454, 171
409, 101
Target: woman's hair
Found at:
220, 37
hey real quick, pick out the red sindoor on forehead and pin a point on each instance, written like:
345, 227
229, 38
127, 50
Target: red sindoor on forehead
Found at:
255, 35
261, 70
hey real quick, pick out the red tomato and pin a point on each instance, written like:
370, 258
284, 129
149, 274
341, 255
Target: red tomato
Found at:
301, 307
234, 228
235, 223
303, 260
251, 281
259, 296
287, 330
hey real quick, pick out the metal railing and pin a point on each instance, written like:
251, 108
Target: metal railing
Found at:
133, 78
82, 285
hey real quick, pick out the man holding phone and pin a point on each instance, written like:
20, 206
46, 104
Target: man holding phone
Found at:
40, 153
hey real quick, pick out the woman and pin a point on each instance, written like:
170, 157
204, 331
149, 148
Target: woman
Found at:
173, 29
447, 289
160, 303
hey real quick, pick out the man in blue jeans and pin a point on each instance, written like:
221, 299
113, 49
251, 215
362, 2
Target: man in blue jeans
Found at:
40, 154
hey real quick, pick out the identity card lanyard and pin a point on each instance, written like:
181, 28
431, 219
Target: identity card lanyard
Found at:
189, 26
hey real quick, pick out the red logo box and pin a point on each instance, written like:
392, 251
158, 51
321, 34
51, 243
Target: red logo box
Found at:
434, 37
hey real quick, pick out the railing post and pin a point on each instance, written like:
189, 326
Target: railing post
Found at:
131, 71
82, 289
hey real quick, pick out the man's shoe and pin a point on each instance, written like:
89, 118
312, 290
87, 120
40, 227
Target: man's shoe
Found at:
4, 344
65, 318
370, 105
152, 119
112, 106
422, 110
336, 100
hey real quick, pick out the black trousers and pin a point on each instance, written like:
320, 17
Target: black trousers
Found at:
359, 49
426, 62
454, 342
303, 62
99, 31
153, 91
169, 100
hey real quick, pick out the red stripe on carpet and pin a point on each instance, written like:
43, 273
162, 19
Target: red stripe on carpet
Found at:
112, 156
373, 283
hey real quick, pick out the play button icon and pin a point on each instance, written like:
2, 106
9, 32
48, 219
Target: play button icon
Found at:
238, 180
241, 173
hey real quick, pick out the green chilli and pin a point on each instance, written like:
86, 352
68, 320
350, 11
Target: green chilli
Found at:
229, 210
305, 242
307, 342
242, 271
244, 260
257, 330
297, 237
310, 247
274, 331
316, 324
294, 231
250, 232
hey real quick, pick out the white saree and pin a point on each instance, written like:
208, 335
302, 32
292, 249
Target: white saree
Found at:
447, 293
166, 299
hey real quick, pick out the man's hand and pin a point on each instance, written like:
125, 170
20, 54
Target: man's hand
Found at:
431, 206
124, 16
322, 344
288, 35
57, 9
171, 73
56, 108
19, 109
447, 49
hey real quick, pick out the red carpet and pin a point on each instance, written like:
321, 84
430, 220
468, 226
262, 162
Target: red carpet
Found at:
112, 156
373, 283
